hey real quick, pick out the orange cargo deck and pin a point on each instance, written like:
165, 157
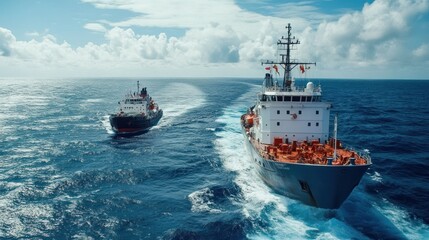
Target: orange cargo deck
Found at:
308, 152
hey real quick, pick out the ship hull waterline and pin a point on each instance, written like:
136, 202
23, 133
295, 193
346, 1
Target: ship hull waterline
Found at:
134, 124
320, 186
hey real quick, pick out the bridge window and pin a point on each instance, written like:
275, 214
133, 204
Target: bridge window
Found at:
287, 98
317, 99
280, 98
296, 98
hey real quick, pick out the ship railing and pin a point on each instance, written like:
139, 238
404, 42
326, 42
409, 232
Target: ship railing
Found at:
278, 89
364, 153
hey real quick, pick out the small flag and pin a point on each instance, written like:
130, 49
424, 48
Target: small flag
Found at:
276, 68
267, 68
301, 67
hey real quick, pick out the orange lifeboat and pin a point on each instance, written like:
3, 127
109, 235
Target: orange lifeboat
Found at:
249, 120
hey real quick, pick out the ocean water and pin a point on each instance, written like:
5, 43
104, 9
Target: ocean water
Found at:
63, 174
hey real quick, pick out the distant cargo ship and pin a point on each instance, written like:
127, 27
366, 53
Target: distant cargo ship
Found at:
287, 137
136, 114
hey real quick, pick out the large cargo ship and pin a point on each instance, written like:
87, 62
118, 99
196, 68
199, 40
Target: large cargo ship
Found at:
137, 112
288, 138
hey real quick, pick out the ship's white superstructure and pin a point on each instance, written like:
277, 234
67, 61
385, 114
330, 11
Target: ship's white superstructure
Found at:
294, 115
137, 103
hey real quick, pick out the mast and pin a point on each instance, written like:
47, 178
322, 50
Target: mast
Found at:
286, 44
138, 86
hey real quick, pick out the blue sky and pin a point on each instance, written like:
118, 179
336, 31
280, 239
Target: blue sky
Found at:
98, 38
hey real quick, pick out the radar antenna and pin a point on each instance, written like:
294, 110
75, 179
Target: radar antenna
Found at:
286, 44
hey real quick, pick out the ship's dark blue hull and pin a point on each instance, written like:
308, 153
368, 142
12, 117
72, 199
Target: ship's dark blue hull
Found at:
134, 124
323, 186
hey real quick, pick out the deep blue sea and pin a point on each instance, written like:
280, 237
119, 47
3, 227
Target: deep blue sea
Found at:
63, 174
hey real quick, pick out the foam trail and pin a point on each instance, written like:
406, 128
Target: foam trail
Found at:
201, 201
177, 99
376, 177
259, 204
106, 124
411, 228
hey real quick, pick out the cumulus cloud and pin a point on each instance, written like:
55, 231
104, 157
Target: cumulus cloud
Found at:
46, 50
6, 40
377, 35
212, 44
383, 19
260, 47
125, 44
220, 35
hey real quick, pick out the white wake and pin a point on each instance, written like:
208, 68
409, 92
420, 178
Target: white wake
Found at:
176, 99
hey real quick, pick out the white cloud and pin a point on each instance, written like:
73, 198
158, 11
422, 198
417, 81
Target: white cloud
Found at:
6, 40
33, 34
172, 13
223, 40
190, 14
373, 38
422, 51
36, 34
97, 27
300, 10
384, 18
262, 46
212, 44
